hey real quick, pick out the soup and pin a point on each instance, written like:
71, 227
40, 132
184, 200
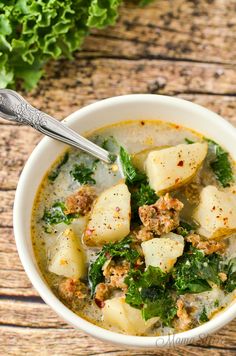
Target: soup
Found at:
148, 252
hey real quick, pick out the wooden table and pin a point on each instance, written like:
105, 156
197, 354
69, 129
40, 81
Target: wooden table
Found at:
181, 48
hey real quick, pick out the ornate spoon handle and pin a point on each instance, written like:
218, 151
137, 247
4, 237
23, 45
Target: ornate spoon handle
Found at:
14, 107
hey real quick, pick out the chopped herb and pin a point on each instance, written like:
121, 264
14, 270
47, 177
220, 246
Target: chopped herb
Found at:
203, 318
83, 174
56, 215
147, 291
131, 173
110, 144
120, 249
184, 228
54, 174
216, 303
230, 283
221, 165
142, 196
187, 140
194, 270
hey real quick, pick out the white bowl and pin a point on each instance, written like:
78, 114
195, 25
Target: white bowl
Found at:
128, 107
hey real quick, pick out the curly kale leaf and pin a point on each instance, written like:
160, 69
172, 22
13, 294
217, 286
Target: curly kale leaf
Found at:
83, 174
230, 270
32, 32
55, 172
56, 215
194, 270
131, 173
149, 292
120, 249
221, 165
143, 195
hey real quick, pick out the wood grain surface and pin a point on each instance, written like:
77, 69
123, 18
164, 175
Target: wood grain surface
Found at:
185, 48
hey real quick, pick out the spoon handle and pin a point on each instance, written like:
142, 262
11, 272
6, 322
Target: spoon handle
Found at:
14, 107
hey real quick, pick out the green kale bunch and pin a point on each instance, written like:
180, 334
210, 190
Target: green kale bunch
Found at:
34, 31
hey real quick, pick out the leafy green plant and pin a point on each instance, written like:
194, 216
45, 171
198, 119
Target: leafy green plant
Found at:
83, 174
143, 195
131, 173
32, 32
56, 171
149, 292
221, 165
56, 215
120, 249
194, 270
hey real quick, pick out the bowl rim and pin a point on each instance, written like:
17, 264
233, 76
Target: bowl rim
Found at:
36, 279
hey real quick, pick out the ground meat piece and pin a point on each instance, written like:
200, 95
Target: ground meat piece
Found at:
144, 234
116, 273
101, 294
81, 201
183, 320
71, 289
222, 276
163, 216
209, 246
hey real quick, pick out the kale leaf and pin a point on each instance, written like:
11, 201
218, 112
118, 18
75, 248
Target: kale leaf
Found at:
83, 174
131, 173
203, 318
185, 228
120, 249
230, 283
143, 195
110, 144
148, 291
56, 214
55, 172
221, 165
194, 270
188, 141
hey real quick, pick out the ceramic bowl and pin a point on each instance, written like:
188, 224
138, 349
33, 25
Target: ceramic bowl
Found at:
96, 115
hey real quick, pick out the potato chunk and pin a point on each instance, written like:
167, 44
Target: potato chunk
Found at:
163, 252
172, 167
119, 314
216, 213
110, 217
68, 258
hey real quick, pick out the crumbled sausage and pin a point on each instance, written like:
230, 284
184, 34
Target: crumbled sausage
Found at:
163, 216
81, 201
183, 320
71, 289
222, 276
115, 274
144, 234
208, 247
102, 293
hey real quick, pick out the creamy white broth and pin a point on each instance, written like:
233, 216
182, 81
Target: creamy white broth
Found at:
135, 137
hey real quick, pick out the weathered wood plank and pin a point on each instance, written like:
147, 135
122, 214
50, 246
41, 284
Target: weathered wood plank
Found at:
16, 144
194, 30
19, 341
13, 279
6, 206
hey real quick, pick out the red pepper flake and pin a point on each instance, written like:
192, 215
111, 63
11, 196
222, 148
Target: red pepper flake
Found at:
180, 164
177, 127
142, 123
214, 208
89, 232
176, 181
100, 303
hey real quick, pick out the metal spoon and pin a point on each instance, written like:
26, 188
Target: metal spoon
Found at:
14, 107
